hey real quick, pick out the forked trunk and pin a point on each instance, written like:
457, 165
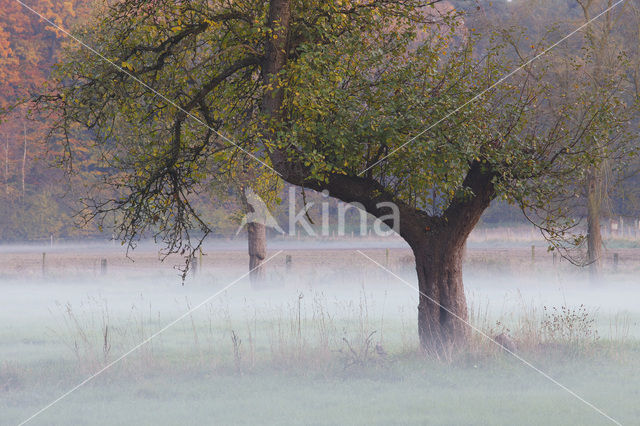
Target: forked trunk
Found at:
442, 310
439, 264
257, 239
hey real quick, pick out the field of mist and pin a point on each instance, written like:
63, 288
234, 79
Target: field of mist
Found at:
329, 338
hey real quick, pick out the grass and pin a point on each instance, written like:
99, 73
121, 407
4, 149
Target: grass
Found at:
409, 391
306, 356
308, 364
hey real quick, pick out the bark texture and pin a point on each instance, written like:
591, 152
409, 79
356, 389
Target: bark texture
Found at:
442, 307
439, 251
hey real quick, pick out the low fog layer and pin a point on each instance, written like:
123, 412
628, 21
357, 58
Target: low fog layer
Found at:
496, 282
320, 298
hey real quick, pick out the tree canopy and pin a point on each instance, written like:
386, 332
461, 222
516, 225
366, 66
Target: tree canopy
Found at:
175, 97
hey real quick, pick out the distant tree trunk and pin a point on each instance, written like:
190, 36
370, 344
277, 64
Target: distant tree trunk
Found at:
274, 60
600, 40
257, 240
594, 236
24, 157
6, 165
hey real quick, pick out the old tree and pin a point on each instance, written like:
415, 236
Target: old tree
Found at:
334, 95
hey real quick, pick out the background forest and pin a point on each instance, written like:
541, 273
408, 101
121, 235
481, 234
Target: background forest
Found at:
38, 201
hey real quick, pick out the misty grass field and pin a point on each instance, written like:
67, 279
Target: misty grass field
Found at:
331, 339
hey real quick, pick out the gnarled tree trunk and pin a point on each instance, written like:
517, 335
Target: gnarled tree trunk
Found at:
442, 308
438, 245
